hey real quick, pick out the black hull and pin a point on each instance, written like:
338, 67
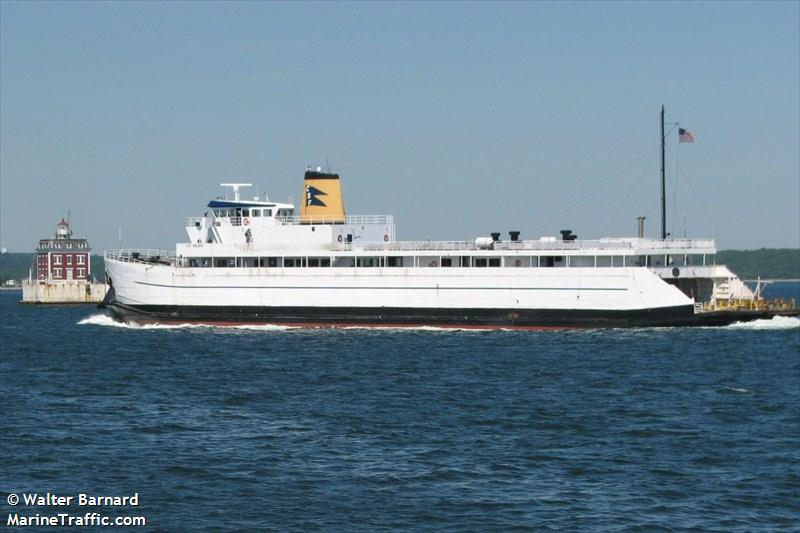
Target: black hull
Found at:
450, 318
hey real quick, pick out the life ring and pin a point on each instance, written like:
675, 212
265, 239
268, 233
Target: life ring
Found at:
433, 264
246, 221
385, 238
340, 238
517, 263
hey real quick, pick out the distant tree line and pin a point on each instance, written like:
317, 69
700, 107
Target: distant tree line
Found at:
775, 263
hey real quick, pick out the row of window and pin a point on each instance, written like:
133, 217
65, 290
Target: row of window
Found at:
252, 213
57, 259
545, 261
59, 272
57, 244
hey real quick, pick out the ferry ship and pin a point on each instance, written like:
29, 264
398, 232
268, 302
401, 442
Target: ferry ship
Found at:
260, 262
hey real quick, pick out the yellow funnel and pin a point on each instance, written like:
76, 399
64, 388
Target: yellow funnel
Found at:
321, 199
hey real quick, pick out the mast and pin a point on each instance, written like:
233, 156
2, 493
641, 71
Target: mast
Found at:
663, 181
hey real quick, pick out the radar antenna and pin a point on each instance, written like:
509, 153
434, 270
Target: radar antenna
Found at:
235, 187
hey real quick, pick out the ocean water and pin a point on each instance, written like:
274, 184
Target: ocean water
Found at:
276, 429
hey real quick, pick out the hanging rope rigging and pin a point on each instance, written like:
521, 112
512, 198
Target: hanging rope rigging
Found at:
649, 153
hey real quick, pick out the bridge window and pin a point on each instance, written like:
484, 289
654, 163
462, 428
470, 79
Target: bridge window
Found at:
270, 262
245, 212
267, 212
345, 262
581, 261
552, 261
369, 261
447, 262
604, 261
481, 262
516, 261
224, 262
694, 259
635, 260
676, 260
319, 261
255, 212
201, 262
293, 262
494, 261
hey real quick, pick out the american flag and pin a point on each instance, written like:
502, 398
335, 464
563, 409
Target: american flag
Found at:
684, 136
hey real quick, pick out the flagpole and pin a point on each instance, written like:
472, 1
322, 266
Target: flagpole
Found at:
663, 181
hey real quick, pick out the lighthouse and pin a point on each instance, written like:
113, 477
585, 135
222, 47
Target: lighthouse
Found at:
61, 271
63, 258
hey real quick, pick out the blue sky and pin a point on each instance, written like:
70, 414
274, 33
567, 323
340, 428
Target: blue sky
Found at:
458, 118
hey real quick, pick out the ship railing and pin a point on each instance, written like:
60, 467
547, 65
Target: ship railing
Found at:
499, 245
141, 255
675, 244
198, 221
547, 245
384, 220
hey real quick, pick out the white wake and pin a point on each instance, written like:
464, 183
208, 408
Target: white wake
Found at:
107, 321
776, 322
